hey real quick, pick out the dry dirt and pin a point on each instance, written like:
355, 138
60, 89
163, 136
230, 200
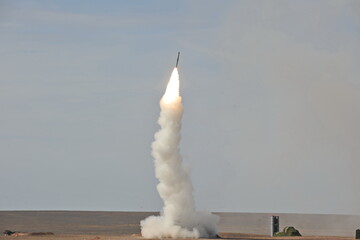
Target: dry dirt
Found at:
137, 236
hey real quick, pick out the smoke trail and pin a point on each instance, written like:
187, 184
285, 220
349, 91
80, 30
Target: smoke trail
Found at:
178, 217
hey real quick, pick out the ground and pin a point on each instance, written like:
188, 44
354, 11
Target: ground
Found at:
82, 225
227, 236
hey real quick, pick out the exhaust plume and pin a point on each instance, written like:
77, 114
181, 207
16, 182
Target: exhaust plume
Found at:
178, 218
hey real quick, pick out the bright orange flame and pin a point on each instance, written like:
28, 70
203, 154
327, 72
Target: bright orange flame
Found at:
172, 89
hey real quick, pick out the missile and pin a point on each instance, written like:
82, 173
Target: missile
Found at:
177, 60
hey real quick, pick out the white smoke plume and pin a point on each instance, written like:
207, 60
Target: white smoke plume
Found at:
178, 218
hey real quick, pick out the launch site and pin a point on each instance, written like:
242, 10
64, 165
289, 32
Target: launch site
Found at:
180, 120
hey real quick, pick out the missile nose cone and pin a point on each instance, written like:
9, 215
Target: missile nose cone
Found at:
177, 60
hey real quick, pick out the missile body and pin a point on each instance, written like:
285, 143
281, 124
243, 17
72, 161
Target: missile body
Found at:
177, 61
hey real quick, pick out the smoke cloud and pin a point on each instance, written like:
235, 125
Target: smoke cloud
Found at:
178, 217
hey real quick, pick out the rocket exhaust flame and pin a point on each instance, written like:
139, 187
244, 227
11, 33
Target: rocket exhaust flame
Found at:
178, 218
172, 90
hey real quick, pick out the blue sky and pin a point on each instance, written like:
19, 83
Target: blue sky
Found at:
270, 88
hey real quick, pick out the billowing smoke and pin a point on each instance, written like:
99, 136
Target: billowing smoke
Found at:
178, 218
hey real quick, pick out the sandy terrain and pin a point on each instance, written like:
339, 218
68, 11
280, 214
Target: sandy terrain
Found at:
76, 225
137, 236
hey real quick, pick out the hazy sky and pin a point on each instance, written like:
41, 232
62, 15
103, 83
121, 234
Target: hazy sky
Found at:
271, 91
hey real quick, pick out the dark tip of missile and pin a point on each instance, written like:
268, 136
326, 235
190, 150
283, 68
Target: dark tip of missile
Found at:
177, 60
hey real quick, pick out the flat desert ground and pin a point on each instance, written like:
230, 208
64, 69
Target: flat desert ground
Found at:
86, 225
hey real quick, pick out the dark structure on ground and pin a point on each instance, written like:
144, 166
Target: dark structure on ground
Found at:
8, 233
357, 234
274, 225
288, 232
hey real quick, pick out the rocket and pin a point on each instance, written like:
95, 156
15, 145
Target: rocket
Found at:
177, 60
